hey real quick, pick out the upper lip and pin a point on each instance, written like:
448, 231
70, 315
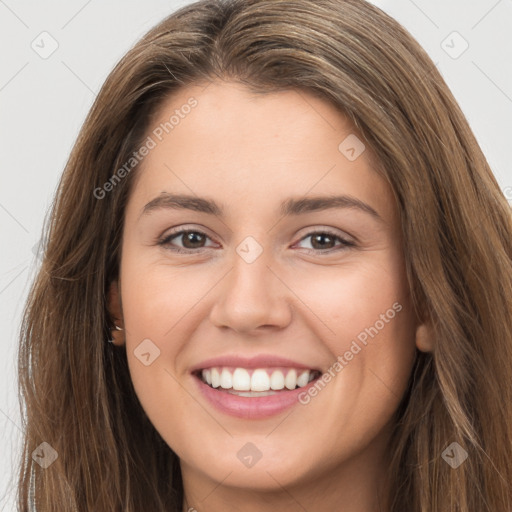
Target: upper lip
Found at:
260, 361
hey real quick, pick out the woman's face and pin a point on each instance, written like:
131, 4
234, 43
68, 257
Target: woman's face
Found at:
273, 267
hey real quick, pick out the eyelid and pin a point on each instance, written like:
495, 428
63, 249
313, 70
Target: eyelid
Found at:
180, 231
164, 240
343, 245
335, 232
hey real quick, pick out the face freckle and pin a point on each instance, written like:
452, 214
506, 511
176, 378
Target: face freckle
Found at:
290, 248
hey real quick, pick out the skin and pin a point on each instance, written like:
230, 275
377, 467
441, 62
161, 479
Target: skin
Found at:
250, 152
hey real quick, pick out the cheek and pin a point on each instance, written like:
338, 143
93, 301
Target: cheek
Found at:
364, 318
362, 300
152, 304
162, 304
159, 299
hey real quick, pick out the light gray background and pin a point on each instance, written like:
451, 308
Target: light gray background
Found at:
44, 101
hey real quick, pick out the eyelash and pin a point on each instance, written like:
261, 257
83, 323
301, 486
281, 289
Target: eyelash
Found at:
165, 241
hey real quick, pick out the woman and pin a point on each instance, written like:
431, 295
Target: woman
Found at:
277, 275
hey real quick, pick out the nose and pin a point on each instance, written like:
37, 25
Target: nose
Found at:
251, 297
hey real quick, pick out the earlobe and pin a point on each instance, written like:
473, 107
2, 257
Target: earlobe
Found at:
424, 338
116, 314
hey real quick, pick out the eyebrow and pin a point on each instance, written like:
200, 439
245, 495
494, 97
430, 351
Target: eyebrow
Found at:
287, 208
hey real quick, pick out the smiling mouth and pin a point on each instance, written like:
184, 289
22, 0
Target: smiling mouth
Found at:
256, 382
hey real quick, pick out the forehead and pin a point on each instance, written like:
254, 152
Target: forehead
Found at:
220, 138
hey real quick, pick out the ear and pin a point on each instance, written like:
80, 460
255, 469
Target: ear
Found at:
116, 313
425, 337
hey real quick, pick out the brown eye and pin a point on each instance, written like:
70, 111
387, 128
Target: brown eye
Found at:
324, 241
193, 239
190, 241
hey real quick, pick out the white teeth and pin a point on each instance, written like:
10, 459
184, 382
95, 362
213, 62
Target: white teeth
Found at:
291, 379
252, 393
215, 378
226, 380
277, 380
303, 379
241, 380
262, 381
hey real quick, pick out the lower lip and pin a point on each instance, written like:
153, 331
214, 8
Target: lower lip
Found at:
251, 407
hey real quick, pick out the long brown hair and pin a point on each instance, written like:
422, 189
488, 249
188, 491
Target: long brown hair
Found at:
457, 231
